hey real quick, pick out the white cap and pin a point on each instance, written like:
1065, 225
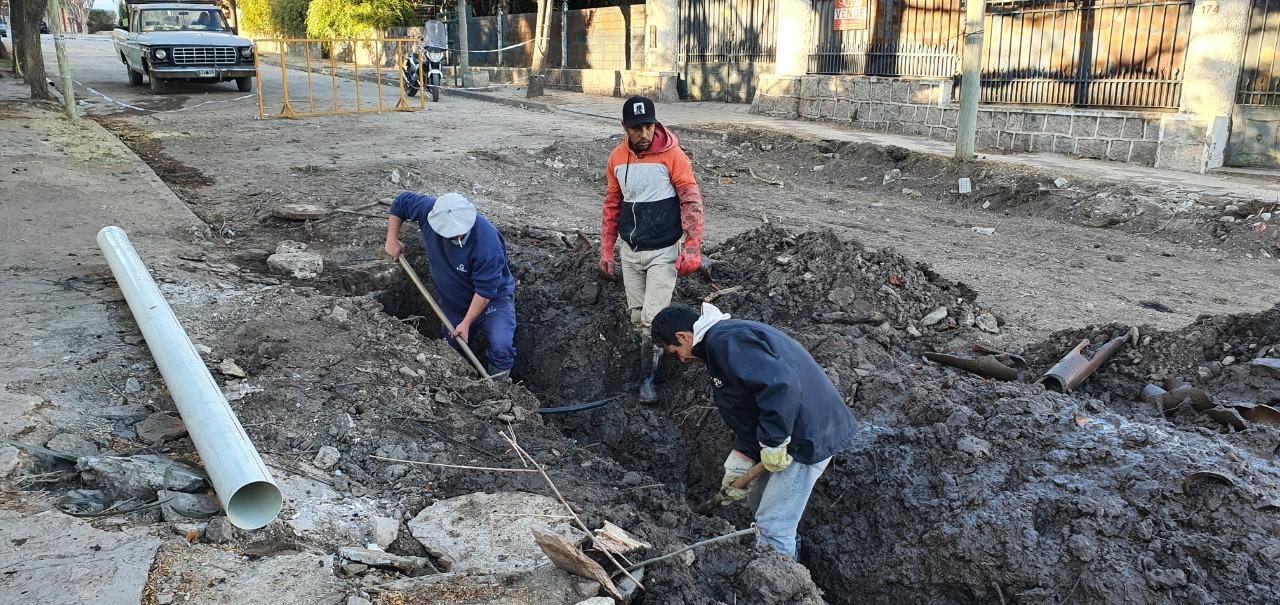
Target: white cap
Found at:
452, 215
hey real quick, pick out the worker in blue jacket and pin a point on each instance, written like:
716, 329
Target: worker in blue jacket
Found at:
468, 262
782, 408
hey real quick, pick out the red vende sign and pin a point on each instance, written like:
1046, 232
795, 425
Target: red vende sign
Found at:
850, 14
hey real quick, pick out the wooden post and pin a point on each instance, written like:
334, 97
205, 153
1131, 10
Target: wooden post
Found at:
971, 80
64, 68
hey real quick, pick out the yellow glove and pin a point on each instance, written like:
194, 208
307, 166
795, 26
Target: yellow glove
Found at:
735, 466
775, 459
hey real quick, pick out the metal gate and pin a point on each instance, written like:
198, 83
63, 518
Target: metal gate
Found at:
1255, 122
724, 45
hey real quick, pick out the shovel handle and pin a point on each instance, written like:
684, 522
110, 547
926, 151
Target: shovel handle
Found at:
740, 483
422, 289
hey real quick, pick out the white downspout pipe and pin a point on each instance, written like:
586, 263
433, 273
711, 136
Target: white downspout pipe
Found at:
239, 477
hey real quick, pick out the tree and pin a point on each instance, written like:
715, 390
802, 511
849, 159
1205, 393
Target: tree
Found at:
101, 20
542, 33
78, 13
26, 15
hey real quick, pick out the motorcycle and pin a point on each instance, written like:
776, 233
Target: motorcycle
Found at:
431, 47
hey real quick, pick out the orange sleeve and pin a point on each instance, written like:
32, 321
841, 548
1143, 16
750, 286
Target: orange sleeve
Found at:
686, 186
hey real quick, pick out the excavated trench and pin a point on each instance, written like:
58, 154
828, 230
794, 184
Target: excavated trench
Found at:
957, 489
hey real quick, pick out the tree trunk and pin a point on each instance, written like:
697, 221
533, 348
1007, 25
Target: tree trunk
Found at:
26, 24
538, 70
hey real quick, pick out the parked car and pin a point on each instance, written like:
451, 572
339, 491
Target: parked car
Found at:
4, 29
44, 27
190, 42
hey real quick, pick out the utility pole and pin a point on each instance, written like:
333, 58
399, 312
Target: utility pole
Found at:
64, 68
971, 80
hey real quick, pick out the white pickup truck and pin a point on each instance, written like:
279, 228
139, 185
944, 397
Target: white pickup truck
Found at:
190, 42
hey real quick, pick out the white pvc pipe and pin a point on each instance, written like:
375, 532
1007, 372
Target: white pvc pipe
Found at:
239, 477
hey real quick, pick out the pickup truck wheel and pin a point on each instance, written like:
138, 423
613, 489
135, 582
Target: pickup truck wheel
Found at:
135, 78
244, 84
158, 85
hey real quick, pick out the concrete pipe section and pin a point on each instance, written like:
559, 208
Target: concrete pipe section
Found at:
240, 478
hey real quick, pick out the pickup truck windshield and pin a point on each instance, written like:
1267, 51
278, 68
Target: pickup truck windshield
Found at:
182, 20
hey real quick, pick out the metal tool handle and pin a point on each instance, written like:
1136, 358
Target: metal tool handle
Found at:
466, 350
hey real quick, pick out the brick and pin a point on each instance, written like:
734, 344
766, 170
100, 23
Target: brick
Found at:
938, 132
843, 111
880, 91
1118, 150
1094, 149
1042, 143
988, 139
1110, 128
1133, 128
861, 90
1014, 122
907, 113
1033, 122
1144, 153
951, 135
901, 91
998, 121
877, 113
950, 117
1152, 131
984, 120
1083, 127
1021, 143
1057, 124
933, 117
826, 86
1006, 140
809, 87
828, 109
1065, 145
811, 108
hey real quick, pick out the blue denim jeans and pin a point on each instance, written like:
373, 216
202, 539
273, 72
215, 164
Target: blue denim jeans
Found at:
778, 500
498, 324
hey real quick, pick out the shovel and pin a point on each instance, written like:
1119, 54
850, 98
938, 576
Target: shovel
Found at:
740, 483
466, 350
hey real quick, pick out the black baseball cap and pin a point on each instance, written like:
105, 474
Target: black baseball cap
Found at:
638, 110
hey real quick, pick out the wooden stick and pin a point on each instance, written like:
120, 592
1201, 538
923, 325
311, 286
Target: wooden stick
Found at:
460, 466
583, 526
710, 298
709, 541
413, 275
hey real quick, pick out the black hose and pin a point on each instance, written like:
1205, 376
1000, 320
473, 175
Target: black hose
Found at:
578, 407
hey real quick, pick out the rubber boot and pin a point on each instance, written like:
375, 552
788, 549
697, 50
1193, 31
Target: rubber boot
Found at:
649, 356
503, 376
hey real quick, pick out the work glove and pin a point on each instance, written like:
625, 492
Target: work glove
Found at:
608, 266
689, 260
775, 459
735, 466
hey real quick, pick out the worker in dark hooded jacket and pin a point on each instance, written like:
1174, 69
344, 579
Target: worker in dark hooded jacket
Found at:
653, 204
468, 262
782, 408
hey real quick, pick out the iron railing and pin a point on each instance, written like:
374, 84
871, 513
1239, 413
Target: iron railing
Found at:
727, 31
1260, 71
903, 38
1100, 53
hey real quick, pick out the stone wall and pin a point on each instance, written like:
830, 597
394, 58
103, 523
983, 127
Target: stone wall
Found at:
925, 108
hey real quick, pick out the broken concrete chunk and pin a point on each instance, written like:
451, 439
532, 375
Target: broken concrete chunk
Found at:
298, 211
490, 533
974, 446
132, 386
1266, 367
292, 259
385, 560
339, 314
891, 176
354, 600
327, 457
220, 531
385, 530
141, 476
229, 367
597, 601
181, 507
1061, 183
8, 459
132, 412
72, 445
987, 323
935, 317
160, 427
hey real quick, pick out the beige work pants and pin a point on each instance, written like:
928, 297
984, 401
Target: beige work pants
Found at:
649, 278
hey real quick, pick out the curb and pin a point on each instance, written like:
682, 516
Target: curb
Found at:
500, 100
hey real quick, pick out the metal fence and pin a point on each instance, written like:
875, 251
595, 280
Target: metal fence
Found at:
599, 38
902, 38
1260, 72
1100, 53
724, 45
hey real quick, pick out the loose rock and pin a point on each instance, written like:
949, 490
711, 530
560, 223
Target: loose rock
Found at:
182, 507
385, 560
141, 476
8, 459
327, 457
465, 531
935, 317
74, 445
220, 531
300, 212
132, 386
291, 258
160, 427
1268, 367
228, 367
385, 530
987, 323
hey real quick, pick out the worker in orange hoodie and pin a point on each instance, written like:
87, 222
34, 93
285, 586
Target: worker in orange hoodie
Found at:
654, 204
